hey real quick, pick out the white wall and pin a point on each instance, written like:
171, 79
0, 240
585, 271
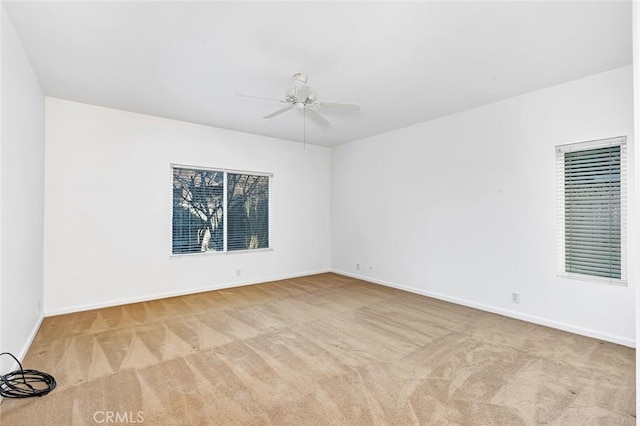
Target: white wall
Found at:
463, 207
108, 198
21, 198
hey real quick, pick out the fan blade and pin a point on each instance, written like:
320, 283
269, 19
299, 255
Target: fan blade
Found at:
339, 105
260, 97
317, 117
278, 112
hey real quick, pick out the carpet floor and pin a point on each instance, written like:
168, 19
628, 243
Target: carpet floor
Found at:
320, 350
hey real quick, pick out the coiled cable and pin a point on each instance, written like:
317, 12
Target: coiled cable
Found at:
25, 383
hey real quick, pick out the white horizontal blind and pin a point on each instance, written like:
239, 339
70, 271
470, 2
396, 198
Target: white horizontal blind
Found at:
198, 210
218, 210
247, 211
592, 209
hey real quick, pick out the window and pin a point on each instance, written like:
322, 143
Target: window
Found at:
219, 210
591, 187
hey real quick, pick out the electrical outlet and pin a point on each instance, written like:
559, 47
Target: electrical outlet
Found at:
515, 298
357, 266
238, 272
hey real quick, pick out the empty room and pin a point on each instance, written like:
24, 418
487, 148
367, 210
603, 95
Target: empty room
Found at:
319, 212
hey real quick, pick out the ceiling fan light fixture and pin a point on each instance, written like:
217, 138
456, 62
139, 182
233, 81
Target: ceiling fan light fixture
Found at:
299, 105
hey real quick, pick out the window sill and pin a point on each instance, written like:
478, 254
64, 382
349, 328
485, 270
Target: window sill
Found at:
219, 253
593, 279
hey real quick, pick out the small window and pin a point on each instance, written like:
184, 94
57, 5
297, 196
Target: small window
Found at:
219, 210
591, 188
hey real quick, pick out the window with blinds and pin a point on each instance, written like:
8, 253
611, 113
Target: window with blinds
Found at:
592, 210
216, 210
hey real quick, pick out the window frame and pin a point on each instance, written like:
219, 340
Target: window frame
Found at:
225, 172
560, 208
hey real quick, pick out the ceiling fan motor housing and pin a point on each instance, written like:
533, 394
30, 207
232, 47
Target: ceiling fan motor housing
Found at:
302, 97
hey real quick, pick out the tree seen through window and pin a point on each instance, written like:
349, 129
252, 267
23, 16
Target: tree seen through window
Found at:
199, 211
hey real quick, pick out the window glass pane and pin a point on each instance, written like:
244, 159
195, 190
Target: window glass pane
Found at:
592, 212
247, 212
197, 210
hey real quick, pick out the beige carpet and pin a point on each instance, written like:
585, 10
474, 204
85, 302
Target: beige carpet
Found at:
325, 349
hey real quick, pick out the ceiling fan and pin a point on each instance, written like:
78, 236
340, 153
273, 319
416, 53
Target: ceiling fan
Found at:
301, 97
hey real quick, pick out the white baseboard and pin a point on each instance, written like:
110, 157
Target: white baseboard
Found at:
118, 302
505, 312
32, 336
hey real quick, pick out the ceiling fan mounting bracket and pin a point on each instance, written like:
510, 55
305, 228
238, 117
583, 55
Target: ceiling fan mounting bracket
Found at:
301, 77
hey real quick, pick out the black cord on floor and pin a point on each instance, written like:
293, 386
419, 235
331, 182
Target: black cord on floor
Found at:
25, 383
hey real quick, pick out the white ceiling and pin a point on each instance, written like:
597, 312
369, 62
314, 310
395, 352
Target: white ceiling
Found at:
403, 62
